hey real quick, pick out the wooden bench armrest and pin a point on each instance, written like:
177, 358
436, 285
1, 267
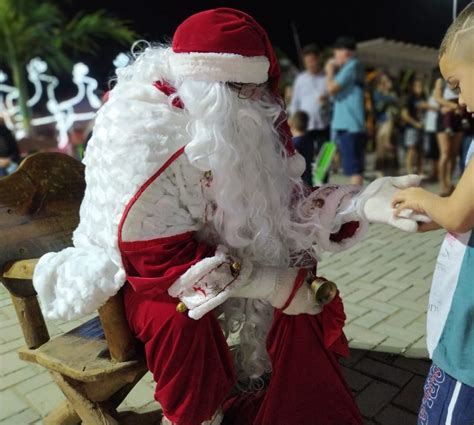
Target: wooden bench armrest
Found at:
17, 278
22, 269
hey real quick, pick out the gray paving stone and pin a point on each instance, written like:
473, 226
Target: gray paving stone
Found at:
415, 292
5, 302
419, 367
45, 398
375, 397
417, 350
11, 332
384, 372
372, 304
9, 311
19, 375
11, 404
362, 294
382, 356
354, 310
409, 305
402, 284
400, 273
10, 362
387, 294
356, 381
141, 395
8, 322
394, 416
355, 356
392, 345
410, 396
26, 417
396, 332
38, 381
11, 345
363, 335
370, 319
403, 318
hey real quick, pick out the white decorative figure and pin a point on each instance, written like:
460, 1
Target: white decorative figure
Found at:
62, 113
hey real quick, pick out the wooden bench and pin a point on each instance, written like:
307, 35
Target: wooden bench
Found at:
95, 365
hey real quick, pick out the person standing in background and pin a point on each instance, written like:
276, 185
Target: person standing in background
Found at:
345, 81
429, 137
449, 134
412, 116
385, 104
310, 94
303, 142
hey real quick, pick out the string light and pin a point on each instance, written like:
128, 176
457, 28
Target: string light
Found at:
62, 114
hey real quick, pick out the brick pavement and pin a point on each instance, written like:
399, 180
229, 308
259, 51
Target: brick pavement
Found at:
385, 282
388, 387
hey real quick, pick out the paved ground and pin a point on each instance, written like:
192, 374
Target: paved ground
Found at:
384, 281
388, 387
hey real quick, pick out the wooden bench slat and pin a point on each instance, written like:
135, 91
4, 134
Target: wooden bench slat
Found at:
81, 354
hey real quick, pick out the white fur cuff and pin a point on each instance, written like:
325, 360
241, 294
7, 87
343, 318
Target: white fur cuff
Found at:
331, 207
224, 67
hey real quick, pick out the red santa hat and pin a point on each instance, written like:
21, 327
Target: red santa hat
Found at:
227, 45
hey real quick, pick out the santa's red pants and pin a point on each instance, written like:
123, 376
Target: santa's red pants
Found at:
193, 369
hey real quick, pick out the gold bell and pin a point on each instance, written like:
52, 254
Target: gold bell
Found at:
208, 175
235, 268
324, 290
181, 307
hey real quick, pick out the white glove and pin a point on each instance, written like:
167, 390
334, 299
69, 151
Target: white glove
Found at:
275, 285
374, 203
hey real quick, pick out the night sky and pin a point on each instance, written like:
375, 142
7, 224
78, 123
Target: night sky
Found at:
416, 21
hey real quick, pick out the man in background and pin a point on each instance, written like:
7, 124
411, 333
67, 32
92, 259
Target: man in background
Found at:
345, 82
310, 95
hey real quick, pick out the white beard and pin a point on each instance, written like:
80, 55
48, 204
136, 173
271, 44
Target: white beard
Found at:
236, 139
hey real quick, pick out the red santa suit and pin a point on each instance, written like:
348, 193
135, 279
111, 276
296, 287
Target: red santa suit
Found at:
147, 224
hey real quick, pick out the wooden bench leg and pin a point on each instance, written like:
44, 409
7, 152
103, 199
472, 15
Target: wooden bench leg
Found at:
91, 413
64, 414
114, 401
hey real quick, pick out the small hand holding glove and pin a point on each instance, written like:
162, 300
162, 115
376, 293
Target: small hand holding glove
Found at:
374, 204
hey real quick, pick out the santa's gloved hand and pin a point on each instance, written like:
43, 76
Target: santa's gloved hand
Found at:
374, 203
276, 285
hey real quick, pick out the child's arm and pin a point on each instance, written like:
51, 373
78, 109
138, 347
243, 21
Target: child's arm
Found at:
455, 213
425, 106
409, 119
438, 95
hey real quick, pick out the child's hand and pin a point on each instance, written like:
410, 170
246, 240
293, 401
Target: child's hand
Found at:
428, 227
411, 198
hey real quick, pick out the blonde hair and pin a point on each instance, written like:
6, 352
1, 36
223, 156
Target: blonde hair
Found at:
458, 41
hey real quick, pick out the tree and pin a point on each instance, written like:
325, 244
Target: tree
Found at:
31, 28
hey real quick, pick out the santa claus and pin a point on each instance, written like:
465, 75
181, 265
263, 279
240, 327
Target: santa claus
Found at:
195, 206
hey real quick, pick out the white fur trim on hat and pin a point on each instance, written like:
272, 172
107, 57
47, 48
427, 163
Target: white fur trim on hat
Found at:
224, 67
